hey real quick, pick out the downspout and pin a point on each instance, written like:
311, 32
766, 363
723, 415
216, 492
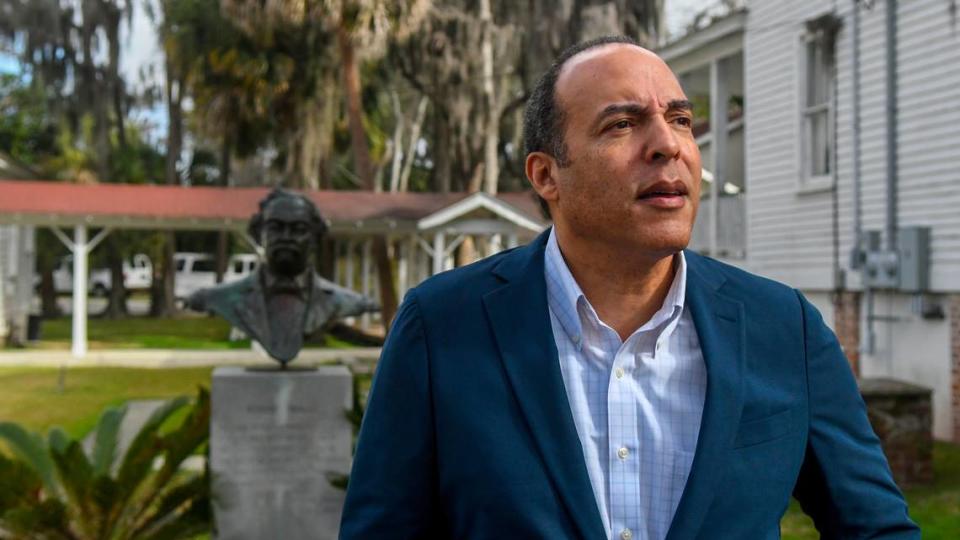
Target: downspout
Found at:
859, 242
839, 281
857, 261
891, 222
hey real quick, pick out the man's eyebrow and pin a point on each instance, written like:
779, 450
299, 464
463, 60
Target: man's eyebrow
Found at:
636, 109
680, 104
620, 108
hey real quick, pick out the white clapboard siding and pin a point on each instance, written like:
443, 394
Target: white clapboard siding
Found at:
790, 233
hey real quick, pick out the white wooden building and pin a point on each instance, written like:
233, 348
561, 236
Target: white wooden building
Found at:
847, 167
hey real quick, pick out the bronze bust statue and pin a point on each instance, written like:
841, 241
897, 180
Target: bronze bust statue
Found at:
285, 299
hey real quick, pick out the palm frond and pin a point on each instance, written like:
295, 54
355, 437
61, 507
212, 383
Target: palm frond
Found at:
107, 435
138, 459
76, 476
47, 519
177, 446
184, 505
29, 448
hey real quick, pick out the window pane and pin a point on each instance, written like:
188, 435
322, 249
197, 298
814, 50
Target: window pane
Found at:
818, 130
819, 72
203, 265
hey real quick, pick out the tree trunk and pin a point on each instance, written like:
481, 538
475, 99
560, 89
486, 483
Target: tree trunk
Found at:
364, 168
162, 301
48, 294
117, 294
116, 81
412, 147
441, 154
491, 132
358, 137
223, 237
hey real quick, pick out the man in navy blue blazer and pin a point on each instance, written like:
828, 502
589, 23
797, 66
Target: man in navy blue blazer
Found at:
602, 381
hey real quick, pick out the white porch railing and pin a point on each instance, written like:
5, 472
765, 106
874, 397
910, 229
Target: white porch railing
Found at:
731, 228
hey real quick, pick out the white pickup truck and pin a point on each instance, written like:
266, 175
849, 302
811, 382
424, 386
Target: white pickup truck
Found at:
137, 275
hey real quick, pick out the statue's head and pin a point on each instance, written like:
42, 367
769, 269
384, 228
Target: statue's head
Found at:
288, 226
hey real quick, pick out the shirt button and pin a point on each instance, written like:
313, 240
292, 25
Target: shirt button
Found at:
626, 534
618, 372
658, 346
623, 453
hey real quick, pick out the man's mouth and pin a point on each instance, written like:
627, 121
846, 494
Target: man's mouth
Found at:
664, 195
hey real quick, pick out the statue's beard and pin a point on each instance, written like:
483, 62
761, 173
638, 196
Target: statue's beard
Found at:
286, 261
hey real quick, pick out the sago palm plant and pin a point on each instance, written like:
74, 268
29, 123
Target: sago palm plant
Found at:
52, 489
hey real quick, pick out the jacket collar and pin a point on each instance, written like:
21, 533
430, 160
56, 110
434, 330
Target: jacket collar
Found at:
529, 357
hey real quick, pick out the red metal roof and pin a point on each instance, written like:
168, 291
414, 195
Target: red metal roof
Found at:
216, 203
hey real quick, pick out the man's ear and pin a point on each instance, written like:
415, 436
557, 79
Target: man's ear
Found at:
540, 168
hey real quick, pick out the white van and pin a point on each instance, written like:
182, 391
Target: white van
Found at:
195, 271
137, 275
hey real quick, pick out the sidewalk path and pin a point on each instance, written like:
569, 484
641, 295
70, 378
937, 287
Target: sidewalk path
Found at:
170, 358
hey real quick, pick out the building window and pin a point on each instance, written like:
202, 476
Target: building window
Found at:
816, 109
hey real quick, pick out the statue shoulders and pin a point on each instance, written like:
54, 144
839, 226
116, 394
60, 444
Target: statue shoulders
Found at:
220, 297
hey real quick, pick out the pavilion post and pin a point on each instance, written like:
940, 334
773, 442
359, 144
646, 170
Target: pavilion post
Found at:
80, 251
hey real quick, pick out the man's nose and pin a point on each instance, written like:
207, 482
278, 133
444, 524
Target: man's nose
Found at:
661, 141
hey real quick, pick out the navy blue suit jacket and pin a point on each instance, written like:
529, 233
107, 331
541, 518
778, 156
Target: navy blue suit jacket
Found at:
468, 432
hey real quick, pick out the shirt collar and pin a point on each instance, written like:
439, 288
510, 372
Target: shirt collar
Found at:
565, 297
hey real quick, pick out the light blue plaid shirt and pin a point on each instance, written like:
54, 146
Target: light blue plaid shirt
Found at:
637, 404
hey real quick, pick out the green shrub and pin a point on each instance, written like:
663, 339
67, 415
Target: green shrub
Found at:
52, 489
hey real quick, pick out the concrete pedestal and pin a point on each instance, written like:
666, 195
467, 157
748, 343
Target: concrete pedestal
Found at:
275, 439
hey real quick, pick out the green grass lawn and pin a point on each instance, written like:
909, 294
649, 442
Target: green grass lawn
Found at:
144, 333
209, 333
935, 508
30, 396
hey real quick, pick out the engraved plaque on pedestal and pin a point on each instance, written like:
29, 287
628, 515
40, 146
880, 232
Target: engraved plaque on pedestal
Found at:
275, 438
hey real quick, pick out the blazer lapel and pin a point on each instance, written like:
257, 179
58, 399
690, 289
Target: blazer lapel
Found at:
720, 327
519, 316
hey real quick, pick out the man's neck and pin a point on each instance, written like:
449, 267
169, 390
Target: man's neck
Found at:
626, 290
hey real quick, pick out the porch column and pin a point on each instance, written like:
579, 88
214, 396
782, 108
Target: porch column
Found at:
348, 270
337, 274
365, 278
718, 130
403, 267
439, 252
4, 235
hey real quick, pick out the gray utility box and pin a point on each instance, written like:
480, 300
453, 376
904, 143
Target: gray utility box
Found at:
879, 266
907, 269
914, 248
